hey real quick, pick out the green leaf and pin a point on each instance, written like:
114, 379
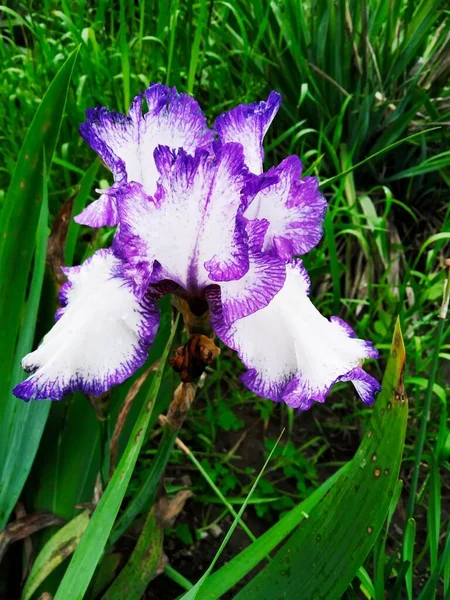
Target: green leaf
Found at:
434, 512
408, 555
19, 224
380, 551
194, 591
434, 163
202, 20
430, 587
240, 565
142, 564
323, 555
147, 492
26, 420
55, 551
327, 182
90, 550
68, 459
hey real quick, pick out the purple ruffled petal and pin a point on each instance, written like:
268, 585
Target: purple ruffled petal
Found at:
101, 337
126, 143
366, 385
100, 213
237, 299
294, 207
247, 124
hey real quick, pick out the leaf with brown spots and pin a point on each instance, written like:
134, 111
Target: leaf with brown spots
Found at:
59, 547
24, 527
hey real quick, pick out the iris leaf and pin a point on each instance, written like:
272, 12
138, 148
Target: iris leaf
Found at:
323, 556
90, 550
240, 565
23, 217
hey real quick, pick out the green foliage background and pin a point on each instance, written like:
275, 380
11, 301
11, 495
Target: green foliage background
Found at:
357, 77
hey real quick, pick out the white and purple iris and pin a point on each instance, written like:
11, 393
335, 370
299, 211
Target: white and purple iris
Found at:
197, 216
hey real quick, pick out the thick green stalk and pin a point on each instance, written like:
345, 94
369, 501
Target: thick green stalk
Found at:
172, 574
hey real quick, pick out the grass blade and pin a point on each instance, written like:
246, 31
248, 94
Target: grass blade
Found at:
327, 182
195, 51
90, 550
434, 512
240, 565
193, 592
408, 555
426, 408
429, 589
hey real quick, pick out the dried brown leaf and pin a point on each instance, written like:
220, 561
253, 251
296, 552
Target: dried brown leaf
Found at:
169, 509
57, 241
24, 527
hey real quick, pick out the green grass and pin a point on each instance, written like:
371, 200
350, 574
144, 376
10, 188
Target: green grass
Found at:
357, 77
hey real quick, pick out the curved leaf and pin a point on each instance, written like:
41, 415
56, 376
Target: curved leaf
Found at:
57, 549
322, 557
90, 550
21, 424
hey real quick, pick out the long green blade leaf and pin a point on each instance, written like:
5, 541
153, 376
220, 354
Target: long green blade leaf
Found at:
90, 549
26, 420
19, 223
20, 214
233, 571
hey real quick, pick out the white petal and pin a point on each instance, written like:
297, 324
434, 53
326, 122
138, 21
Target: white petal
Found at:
293, 353
247, 124
101, 337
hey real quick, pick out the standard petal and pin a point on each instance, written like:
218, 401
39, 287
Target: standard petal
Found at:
126, 143
294, 207
189, 232
99, 213
233, 300
294, 354
102, 334
247, 124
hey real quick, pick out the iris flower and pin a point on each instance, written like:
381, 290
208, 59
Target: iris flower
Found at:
198, 217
